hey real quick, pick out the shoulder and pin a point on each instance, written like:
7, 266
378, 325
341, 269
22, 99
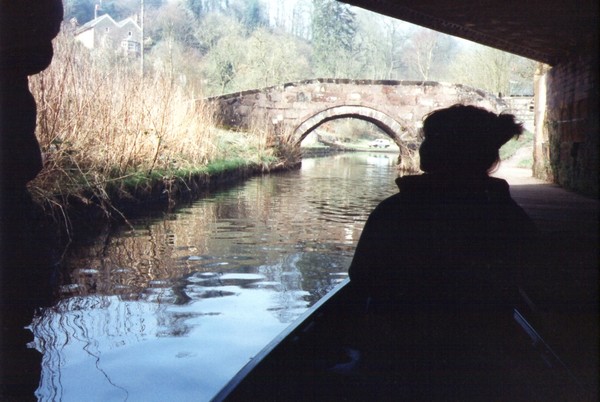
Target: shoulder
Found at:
388, 207
391, 201
498, 186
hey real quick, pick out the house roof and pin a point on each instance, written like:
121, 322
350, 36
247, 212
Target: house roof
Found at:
95, 21
543, 30
126, 21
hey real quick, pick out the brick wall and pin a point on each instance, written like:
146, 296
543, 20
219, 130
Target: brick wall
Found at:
572, 123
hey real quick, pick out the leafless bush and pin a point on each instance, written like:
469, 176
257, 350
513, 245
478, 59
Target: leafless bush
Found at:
408, 161
100, 122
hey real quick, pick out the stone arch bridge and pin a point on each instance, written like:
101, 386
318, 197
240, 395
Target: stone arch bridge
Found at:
396, 107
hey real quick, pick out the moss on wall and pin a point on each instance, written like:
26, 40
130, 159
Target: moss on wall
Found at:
572, 123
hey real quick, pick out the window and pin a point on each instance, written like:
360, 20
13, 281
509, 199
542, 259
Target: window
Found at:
130, 46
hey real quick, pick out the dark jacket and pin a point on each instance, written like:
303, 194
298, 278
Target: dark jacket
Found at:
443, 243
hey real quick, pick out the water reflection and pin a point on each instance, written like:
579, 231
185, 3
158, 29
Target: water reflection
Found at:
172, 308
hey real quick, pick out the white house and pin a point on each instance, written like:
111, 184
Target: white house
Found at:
104, 32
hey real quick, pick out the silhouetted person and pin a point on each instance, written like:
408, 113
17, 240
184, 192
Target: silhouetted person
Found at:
27, 28
438, 260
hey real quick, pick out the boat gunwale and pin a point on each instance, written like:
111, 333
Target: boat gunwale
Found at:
299, 324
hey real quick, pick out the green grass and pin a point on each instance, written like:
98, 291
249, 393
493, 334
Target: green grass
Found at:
224, 165
145, 179
525, 163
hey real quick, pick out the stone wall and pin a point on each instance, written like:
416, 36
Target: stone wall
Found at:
522, 107
571, 123
395, 106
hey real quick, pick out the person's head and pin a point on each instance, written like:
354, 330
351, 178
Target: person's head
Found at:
465, 140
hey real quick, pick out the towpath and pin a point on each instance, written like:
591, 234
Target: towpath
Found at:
563, 285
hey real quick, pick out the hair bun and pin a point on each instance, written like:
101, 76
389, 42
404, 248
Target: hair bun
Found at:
507, 127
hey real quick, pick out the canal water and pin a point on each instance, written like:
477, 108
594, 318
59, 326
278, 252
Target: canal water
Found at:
172, 308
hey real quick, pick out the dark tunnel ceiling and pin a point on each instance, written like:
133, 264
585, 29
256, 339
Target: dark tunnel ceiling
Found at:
543, 30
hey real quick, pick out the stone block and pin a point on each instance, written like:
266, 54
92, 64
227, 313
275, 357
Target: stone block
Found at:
354, 97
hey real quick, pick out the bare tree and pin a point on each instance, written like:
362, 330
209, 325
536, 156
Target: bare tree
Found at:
421, 52
392, 46
214, 27
493, 70
274, 59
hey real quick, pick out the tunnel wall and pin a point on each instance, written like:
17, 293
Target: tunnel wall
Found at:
571, 124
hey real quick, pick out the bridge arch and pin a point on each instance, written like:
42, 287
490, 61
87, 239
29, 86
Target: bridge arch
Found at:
397, 107
396, 130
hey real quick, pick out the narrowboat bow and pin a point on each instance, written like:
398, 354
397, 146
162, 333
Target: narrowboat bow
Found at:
321, 356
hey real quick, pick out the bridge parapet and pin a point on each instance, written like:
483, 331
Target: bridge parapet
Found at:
523, 108
397, 107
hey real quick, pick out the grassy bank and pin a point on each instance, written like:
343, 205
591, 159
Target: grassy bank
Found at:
519, 151
112, 139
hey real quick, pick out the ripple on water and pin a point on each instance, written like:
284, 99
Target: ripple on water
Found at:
267, 285
164, 295
122, 270
69, 289
215, 264
199, 257
86, 271
159, 283
207, 293
197, 277
241, 277
121, 288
